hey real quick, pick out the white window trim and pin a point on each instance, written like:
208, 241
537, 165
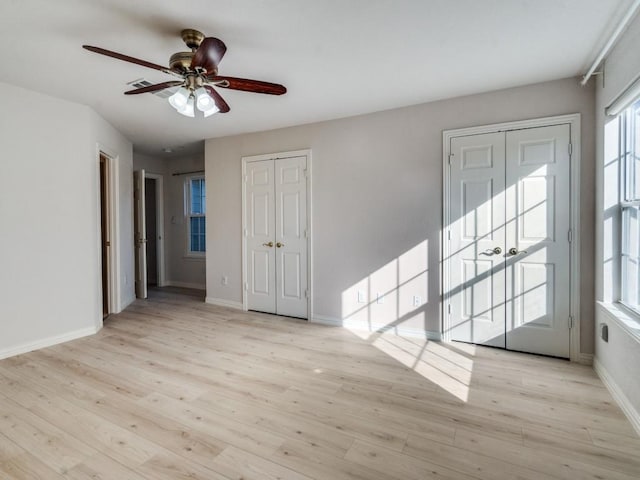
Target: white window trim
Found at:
627, 313
187, 215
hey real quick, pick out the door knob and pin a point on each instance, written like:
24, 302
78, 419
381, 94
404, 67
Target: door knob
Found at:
270, 244
497, 250
279, 244
515, 251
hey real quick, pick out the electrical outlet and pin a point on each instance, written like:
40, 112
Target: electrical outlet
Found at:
380, 298
361, 297
417, 301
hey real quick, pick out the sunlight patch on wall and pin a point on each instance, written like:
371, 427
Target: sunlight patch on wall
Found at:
390, 296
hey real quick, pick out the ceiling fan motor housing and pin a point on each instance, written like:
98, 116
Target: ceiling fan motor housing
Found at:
181, 62
193, 38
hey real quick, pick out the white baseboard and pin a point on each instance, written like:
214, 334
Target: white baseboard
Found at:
586, 359
48, 342
618, 395
398, 330
324, 320
224, 303
196, 286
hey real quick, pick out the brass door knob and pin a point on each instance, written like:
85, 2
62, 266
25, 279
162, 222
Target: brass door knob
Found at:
270, 244
279, 244
497, 250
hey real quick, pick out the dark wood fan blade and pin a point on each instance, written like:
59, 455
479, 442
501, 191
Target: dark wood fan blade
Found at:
155, 88
247, 85
127, 58
220, 103
209, 54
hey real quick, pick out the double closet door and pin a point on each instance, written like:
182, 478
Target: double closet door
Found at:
509, 260
276, 236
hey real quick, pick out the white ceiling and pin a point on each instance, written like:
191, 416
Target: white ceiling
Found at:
336, 57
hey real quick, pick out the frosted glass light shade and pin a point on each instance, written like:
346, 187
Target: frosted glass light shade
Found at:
211, 111
179, 99
188, 110
203, 99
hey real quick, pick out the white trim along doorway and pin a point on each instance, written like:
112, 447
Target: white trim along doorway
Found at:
510, 263
276, 233
111, 209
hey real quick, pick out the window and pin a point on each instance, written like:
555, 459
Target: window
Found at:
630, 207
195, 212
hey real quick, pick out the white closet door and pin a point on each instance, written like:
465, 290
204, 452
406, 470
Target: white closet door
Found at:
477, 230
260, 236
290, 238
538, 223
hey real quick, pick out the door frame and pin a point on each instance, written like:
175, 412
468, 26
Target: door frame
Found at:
159, 179
112, 161
277, 156
574, 121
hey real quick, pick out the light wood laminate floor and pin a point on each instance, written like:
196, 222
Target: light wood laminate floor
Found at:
176, 389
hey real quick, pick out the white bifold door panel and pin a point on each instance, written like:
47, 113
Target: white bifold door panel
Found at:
477, 227
140, 235
538, 218
276, 236
509, 263
261, 232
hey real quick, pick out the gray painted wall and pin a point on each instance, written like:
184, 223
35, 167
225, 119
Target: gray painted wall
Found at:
180, 269
50, 275
620, 357
377, 194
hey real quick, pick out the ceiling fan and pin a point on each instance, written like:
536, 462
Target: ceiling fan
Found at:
197, 71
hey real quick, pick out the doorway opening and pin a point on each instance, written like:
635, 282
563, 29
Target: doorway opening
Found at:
153, 206
148, 232
104, 235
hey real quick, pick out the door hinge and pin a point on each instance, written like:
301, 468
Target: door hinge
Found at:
570, 149
570, 236
306, 233
246, 286
246, 178
306, 293
245, 232
305, 172
450, 155
570, 322
448, 234
449, 309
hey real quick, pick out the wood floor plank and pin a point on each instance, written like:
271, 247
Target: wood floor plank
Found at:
28, 467
468, 462
240, 464
102, 467
400, 465
55, 447
553, 463
173, 388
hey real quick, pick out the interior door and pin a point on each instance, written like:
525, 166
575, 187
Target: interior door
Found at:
477, 239
140, 235
291, 241
509, 264
260, 236
538, 221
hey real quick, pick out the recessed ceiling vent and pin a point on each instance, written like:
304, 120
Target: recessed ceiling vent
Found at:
141, 82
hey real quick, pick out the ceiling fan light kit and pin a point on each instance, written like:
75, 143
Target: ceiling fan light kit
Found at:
198, 73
